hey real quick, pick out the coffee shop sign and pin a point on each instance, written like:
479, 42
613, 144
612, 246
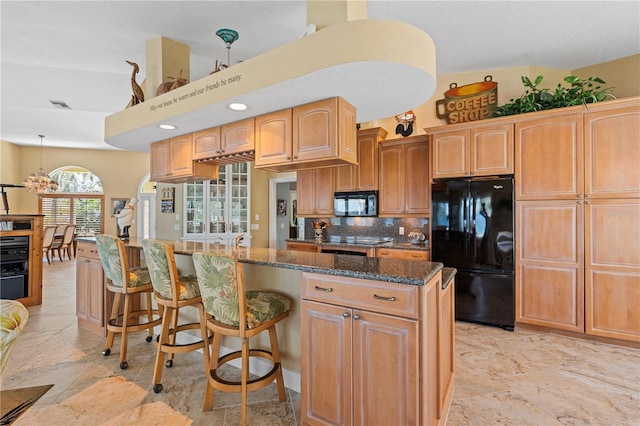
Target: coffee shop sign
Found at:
470, 102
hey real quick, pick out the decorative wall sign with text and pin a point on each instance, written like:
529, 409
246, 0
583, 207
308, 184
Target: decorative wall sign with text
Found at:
470, 102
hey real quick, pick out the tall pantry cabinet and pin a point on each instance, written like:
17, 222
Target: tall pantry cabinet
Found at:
577, 214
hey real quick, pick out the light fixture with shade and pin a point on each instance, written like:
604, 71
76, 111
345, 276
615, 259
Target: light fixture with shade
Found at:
40, 182
228, 36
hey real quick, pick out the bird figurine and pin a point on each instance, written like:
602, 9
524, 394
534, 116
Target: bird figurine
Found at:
138, 95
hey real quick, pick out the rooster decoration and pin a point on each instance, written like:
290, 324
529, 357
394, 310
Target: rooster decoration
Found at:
138, 95
408, 118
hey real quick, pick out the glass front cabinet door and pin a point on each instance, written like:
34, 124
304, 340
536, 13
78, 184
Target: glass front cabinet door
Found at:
218, 210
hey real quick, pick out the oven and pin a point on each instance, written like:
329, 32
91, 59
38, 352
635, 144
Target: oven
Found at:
14, 267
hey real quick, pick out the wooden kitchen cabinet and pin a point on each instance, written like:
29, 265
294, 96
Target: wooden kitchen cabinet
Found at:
612, 268
172, 162
364, 175
274, 138
90, 289
315, 190
323, 134
577, 193
360, 339
446, 345
612, 152
471, 151
223, 141
312, 247
403, 254
405, 188
549, 158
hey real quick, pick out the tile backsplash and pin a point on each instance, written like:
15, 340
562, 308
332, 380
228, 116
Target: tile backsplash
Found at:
367, 227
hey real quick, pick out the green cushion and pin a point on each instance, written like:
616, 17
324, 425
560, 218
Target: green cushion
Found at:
217, 278
156, 257
112, 263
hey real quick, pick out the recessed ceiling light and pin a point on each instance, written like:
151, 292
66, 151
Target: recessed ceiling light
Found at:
167, 126
237, 106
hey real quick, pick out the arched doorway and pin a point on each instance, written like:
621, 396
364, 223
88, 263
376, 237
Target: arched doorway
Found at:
147, 208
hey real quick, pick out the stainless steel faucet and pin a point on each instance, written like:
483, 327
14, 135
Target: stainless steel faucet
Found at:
238, 239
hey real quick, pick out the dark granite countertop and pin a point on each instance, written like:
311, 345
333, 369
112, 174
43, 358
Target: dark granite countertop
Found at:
391, 244
370, 268
447, 276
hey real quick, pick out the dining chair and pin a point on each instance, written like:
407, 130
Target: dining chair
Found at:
47, 241
66, 244
235, 312
125, 283
173, 292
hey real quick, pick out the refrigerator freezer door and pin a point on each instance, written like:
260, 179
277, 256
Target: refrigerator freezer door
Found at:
450, 226
491, 230
485, 299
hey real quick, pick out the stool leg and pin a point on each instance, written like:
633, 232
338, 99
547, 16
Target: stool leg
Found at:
149, 317
213, 361
245, 379
114, 317
173, 335
164, 338
205, 337
275, 353
125, 335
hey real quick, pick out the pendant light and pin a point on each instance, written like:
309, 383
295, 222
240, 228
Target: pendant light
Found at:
228, 36
40, 182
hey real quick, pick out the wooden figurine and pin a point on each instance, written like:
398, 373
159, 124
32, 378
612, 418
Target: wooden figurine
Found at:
174, 83
138, 95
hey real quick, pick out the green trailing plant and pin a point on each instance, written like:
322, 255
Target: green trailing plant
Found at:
579, 91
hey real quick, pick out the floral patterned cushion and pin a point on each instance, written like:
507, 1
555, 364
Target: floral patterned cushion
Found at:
110, 256
156, 255
218, 281
13, 318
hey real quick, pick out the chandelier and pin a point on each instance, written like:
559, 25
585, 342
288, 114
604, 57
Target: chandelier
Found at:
40, 182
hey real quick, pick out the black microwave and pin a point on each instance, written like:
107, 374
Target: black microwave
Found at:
355, 204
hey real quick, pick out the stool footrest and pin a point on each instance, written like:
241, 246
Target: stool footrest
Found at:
252, 384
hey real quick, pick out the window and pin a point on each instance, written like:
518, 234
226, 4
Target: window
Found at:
218, 208
78, 201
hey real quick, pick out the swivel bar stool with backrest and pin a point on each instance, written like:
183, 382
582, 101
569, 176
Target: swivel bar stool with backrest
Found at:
125, 282
173, 292
238, 313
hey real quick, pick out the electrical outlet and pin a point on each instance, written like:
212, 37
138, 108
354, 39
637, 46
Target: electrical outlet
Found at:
176, 226
255, 226
401, 230
257, 217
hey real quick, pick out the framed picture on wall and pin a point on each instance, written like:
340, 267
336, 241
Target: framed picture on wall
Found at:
117, 204
282, 207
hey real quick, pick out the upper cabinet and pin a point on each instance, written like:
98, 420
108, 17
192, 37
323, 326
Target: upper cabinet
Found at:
464, 151
315, 192
404, 177
549, 157
230, 143
612, 152
172, 162
364, 175
323, 134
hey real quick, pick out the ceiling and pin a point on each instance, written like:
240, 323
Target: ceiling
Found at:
75, 52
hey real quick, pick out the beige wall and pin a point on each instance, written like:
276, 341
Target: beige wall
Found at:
617, 74
621, 75
119, 171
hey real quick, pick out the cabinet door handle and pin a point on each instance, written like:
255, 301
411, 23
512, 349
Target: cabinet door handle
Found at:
287, 158
346, 315
579, 202
295, 157
356, 317
328, 290
388, 299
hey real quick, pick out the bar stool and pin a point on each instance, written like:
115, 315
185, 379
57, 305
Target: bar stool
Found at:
125, 283
173, 292
242, 314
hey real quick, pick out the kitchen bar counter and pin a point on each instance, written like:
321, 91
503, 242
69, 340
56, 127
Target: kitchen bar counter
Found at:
401, 309
370, 268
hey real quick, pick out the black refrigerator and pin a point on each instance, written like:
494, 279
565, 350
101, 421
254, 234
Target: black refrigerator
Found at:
472, 231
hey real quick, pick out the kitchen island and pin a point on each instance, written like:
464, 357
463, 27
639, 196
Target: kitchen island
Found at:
368, 340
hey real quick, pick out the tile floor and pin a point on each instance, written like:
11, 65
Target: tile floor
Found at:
519, 378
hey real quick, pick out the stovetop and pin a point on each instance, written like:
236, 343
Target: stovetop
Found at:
373, 241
